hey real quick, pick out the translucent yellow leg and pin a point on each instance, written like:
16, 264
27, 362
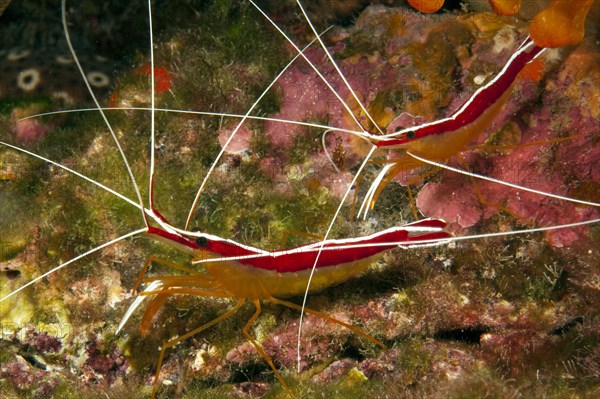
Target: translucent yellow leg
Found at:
260, 349
413, 180
195, 331
390, 176
413, 202
330, 319
162, 262
187, 291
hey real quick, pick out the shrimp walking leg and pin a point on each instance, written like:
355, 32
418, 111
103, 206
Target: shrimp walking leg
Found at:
163, 262
326, 317
260, 349
195, 331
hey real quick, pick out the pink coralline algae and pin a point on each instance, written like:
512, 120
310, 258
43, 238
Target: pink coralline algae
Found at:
29, 130
42, 341
21, 374
281, 345
104, 366
239, 143
250, 389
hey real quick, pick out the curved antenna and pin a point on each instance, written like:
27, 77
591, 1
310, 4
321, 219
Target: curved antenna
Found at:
357, 133
326, 151
67, 263
74, 172
153, 286
152, 109
339, 71
504, 183
312, 270
239, 125
368, 200
157, 218
114, 136
314, 68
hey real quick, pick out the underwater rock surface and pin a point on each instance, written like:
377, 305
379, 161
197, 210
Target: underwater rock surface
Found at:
475, 319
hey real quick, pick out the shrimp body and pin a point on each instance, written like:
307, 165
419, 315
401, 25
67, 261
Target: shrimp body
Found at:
252, 273
237, 271
439, 140
464, 124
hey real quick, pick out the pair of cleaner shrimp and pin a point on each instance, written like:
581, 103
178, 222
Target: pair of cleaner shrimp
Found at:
221, 268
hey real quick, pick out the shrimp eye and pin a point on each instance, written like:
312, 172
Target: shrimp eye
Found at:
201, 241
410, 134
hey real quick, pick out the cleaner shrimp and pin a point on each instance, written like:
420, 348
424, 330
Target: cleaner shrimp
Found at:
94, 292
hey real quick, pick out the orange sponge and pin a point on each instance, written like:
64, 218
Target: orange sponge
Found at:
561, 24
505, 7
427, 6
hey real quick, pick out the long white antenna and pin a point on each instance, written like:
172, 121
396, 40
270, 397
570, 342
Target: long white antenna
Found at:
74, 172
314, 68
339, 71
357, 133
237, 128
333, 219
152, 112
83, 255
114, 136
504, 183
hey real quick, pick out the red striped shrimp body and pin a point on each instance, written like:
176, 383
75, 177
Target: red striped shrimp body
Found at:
252, 273
233, 270
437, 142
440, 140
446, 137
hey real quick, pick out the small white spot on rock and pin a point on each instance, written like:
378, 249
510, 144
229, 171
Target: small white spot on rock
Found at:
98, 79
64, 59
18, 54
28, 79
64, 96
506, 38
479, 79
